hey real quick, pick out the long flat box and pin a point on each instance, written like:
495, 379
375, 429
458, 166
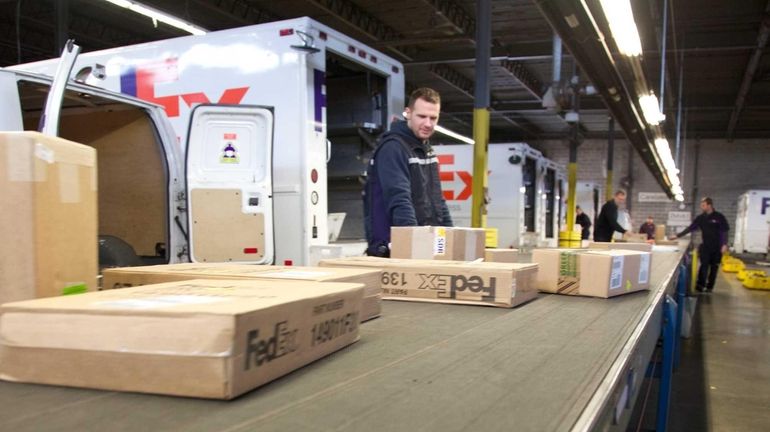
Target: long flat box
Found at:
199, 338
137, 276
439, 243
644, 247
48, 219
501, 255
598, 273
630, 237
489, 284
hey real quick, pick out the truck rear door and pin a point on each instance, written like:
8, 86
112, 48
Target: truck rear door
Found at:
229, 184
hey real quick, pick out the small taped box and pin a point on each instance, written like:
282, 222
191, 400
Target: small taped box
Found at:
599, 273
48, 220
439, 243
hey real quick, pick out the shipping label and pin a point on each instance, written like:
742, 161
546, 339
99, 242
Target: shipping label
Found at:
616, 273
644, 269
439, 241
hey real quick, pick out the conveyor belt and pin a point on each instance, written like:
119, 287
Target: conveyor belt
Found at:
557, 363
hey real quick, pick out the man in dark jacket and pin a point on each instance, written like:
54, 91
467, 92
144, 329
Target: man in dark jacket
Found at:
403, 186
713, 227
648, 228
584, 221
607, 222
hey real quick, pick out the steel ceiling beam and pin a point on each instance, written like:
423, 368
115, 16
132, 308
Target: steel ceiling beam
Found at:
466, 86
748, 75
462, 21
524, 77
359, 18
240, 11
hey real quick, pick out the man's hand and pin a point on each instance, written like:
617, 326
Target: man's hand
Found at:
724, 249
672, 237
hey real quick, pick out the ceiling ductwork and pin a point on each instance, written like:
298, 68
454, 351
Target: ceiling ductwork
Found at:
574, 22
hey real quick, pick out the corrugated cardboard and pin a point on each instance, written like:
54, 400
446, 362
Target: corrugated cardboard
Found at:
199, 338
138, 276
660, 232
597, 273
440, 243
371, 307
48, 219
630, 237
644, 247
501, 255
489, 284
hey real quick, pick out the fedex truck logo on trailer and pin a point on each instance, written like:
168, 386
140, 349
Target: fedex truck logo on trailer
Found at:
446, 176
140, 81
765, 205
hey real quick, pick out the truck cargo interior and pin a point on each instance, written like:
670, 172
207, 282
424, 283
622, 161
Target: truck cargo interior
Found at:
132, 182
356, 99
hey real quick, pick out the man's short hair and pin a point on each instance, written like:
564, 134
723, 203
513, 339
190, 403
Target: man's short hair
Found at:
577, 207
620, 192
708, 201
426, 94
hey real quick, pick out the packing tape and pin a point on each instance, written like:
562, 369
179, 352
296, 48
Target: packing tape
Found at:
471, 237
19, 163
69, 183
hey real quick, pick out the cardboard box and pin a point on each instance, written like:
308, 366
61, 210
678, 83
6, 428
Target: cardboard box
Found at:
598, 273
660, 232
138, 276
48, 220
630, 237
489, 284
501, 255
371, 307
199, 338
440, 243
644, 247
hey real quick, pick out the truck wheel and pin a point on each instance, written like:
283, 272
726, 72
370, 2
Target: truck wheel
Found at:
114, 252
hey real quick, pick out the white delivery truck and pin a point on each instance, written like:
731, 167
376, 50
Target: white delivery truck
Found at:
284, 116
752, 227
141, 181
526, 192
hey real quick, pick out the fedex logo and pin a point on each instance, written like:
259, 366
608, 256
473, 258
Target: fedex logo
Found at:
445, 161
140, 81
765, 205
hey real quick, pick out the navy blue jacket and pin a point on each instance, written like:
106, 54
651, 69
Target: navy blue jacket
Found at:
713, 228
403, 187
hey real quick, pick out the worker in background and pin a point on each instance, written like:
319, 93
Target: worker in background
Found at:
713, 227
607, 222
648, 228
403, 186
584, 221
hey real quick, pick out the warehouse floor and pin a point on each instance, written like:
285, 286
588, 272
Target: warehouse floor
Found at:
723, 381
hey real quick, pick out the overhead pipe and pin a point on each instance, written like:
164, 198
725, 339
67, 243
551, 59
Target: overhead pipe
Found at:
577, 27
663, 32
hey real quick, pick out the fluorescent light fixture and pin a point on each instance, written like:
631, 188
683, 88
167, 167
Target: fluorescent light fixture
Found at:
623, 27
454, 135
650, 109
157, 15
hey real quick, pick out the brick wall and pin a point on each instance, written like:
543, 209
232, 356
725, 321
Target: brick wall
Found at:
725, 170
